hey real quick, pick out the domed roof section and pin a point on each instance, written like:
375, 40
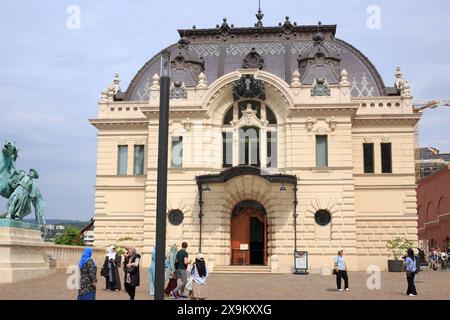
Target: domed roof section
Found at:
312, 49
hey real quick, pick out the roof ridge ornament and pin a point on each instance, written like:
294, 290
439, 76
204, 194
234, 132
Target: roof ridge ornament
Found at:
259, 15
318, 37
225, 29
287, 26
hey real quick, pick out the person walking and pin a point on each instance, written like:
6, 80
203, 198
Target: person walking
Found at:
88, 276
170, 270
340, 269
199, 275
110, 269
181, 264
131, 269
411, 268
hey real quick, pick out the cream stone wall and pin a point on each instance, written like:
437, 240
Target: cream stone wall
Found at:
366, 209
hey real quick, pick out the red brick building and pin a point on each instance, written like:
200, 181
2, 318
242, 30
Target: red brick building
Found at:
433, 207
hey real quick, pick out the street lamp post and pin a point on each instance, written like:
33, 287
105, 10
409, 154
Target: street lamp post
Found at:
161, 193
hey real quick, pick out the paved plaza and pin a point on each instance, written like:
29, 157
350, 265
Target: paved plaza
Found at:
432, 285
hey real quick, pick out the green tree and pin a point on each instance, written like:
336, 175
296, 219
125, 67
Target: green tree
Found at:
70, 237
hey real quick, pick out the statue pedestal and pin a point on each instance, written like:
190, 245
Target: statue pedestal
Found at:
21, 252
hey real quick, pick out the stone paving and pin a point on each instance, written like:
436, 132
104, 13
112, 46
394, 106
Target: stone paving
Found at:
432, 285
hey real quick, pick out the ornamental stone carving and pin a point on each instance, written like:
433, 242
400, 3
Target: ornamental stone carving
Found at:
320, 88
296, 79
249, 118
253, 60
178, 90
248, 87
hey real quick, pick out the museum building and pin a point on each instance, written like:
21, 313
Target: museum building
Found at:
281, 138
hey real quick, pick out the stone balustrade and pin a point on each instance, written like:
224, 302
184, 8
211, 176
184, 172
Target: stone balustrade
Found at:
62, 256
383, 105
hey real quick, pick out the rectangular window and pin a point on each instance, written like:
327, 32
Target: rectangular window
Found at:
122, 160
272, 149
321, 151
227, 149
368, 158
386, 158
138, 160
177, 152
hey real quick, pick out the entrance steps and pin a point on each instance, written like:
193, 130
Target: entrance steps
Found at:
242, 269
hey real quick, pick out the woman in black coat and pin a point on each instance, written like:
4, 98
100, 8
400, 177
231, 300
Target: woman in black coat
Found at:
131, 269
110, 269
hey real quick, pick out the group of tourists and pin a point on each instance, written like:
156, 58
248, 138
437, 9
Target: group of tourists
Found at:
437, 257
110, 270
182, 274
192, 274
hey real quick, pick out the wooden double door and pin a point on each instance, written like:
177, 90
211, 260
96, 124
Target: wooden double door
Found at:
248, 237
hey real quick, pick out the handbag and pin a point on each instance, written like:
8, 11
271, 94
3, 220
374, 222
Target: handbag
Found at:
131, 270
190, 280
103, 272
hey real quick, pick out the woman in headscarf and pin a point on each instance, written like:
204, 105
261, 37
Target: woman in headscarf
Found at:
199, 275
170, 270
110, 269
131, 269
88, 276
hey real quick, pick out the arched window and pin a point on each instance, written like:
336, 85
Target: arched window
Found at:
228, 117
441, 206
429, 211
271, 116
253, 127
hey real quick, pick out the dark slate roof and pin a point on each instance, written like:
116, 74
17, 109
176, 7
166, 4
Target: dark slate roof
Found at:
223, 49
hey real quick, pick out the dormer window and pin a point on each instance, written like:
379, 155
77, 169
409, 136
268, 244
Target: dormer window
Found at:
249, 135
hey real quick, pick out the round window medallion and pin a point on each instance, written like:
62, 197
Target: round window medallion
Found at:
322, 217
176, 217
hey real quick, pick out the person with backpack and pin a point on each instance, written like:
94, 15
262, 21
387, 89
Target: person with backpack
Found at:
181, 263
411, 270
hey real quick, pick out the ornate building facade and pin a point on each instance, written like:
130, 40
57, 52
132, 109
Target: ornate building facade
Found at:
281, 138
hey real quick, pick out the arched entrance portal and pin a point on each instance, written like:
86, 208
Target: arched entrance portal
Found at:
248, 234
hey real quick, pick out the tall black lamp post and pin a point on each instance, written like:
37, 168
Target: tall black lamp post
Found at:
161, 193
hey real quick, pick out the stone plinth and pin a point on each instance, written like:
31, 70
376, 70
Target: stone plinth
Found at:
21, 252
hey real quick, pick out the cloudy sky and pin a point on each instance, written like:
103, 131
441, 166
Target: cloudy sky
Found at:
51, 76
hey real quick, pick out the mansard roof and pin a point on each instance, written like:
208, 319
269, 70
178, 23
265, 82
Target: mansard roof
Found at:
312, 49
